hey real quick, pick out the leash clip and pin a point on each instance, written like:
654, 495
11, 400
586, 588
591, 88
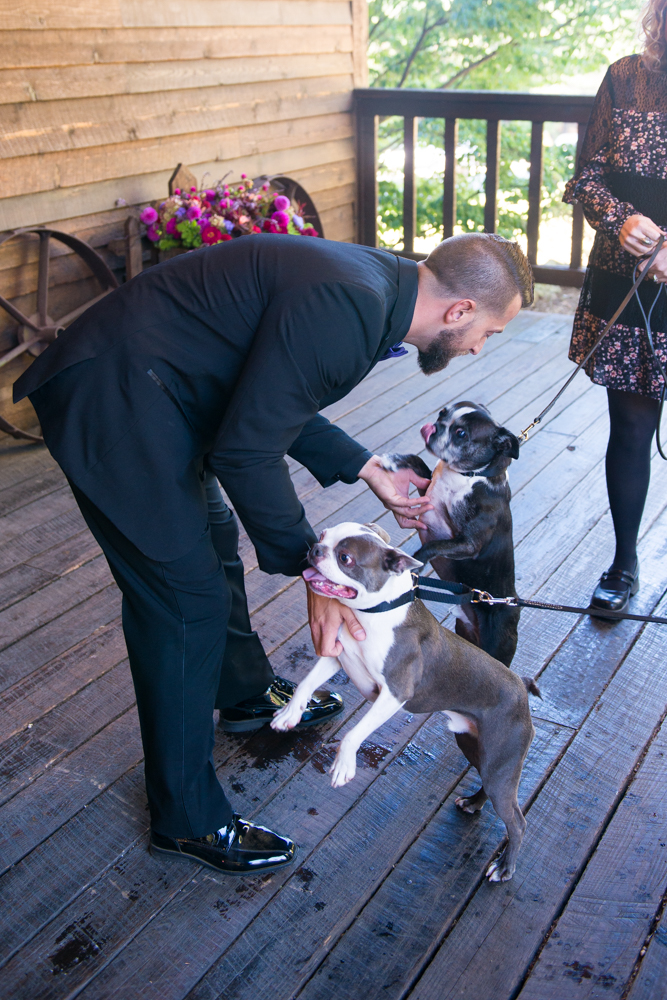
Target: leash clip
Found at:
483, 597
523, 436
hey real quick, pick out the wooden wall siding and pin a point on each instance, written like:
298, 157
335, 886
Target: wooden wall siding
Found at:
100, 100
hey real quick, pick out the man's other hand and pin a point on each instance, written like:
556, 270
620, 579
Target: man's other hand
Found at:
392, 489
326, 615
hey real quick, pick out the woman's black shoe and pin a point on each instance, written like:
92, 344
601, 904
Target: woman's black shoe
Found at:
240, 848
253, 713
615, 589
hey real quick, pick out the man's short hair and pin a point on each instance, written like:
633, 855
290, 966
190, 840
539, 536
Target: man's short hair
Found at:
483, 267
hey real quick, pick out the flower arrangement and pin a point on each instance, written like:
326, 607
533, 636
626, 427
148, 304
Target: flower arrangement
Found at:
203, 218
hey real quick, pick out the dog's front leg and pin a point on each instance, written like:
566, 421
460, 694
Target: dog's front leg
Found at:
344, 767
450, 548
290, 716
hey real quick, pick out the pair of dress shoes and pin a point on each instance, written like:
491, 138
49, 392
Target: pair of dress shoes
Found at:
242, 847
615, 589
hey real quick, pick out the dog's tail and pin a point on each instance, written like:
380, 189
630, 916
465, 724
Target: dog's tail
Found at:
531, 686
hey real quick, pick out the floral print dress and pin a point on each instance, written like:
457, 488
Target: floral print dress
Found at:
622, 171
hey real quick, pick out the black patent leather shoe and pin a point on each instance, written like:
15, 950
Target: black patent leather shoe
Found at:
240, 848
253, 713
615, 589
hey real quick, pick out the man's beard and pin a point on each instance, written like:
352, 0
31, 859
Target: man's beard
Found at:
444, 346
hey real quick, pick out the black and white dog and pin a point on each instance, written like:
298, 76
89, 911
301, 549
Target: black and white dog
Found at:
408, 661
468, 535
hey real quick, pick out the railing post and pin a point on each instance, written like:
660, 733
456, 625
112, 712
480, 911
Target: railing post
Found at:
410, 126
534, 190
492, 171
449, 192
577, 211
367, 187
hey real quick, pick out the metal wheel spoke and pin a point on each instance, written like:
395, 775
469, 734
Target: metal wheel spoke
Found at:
43, 278
17, 314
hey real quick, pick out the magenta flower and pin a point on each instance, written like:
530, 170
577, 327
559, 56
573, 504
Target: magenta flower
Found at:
153, 234
170, 229
149, 215
177, 190
281, 203
210, 194
281, 218
211, 234
193, 212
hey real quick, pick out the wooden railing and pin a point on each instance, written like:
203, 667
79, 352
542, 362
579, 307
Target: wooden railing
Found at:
493, 107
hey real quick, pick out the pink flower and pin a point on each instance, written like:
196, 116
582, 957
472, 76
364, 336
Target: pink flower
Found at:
193, 212
193, 188
211, 234
256, 229
170, 229
177, 190
153, 234
309, 231
225, 236
149, 215
243, 176
210, 194
281, 218
269, 226
281, 203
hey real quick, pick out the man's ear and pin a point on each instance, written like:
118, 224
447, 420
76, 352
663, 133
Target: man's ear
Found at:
506, 443
397, 562
384, 535
461, 311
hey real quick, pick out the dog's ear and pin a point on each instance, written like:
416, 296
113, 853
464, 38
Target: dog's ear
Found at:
397, 562
384, 535
506, 443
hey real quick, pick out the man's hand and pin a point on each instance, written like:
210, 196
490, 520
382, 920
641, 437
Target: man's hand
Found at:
392, 489
326, 615
635, 233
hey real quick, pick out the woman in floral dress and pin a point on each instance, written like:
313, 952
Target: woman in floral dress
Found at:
621, 183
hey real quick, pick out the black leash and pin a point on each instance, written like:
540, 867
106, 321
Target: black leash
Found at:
523, 436
448, 592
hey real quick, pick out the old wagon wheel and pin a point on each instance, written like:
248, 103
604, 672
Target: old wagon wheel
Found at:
293, 190
36, 332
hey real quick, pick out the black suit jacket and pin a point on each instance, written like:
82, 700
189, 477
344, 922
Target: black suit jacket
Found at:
223, 356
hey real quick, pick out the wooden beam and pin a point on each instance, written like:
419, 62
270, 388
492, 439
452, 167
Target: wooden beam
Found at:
492, 171
577, 211
449, 192
410, 129
367, 201
534, 190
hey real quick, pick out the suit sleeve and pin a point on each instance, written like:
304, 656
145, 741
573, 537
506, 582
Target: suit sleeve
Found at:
301, 352
328, 452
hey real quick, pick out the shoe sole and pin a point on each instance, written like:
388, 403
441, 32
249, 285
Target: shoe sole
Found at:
153, 851
252, 724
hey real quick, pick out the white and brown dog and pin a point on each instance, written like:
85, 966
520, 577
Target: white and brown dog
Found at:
408, 661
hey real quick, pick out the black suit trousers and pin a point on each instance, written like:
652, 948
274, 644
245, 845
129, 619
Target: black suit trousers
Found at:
191, 648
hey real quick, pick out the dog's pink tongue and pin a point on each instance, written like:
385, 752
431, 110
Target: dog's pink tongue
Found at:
312, 574
427, 430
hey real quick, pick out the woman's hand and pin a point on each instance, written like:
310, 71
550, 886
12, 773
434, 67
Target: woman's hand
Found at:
639, 235
392, 489
326, 615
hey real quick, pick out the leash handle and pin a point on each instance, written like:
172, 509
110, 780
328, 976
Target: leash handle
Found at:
523, 435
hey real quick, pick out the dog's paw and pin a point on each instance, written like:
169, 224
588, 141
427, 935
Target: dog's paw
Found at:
287, 718
499, 870
469, 804
343, 769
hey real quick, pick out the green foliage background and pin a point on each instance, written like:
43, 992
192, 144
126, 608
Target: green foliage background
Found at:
488, 45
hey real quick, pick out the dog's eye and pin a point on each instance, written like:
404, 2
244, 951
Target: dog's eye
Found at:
459, 433
345, 559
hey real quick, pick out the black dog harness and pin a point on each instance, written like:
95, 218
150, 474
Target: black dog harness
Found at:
448, 592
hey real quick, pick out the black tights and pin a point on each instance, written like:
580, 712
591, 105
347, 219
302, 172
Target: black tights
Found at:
633, 420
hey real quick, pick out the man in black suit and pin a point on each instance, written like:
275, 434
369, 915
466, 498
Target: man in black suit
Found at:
212, 367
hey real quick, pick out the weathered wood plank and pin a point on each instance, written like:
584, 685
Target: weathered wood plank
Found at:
55, 637
58, 83
45, 127
598, 937
52, 739
23, 49
62, 14
35, 611
59, 679
33, 487
652, 975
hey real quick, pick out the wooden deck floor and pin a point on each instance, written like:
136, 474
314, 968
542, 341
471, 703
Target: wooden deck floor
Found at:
388, 898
